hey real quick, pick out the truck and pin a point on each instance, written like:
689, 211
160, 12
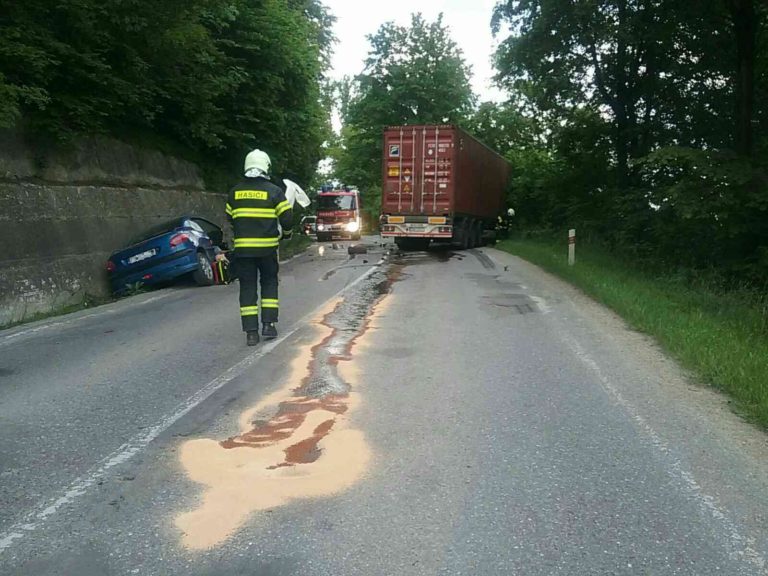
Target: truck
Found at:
440, 184
338, 214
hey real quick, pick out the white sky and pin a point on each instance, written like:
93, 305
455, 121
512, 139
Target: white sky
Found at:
469, 22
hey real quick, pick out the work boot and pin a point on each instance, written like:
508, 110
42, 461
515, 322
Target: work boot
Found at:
252, 337
269, 331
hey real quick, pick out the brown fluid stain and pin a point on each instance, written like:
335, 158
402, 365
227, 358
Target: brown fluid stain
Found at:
305, 449
298, 372
350, 371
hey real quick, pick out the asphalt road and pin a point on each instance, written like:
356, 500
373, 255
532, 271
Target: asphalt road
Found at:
440, 414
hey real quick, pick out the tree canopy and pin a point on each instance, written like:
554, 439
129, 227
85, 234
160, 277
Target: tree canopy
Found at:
650, 118
208, 79
640, 122
413, 74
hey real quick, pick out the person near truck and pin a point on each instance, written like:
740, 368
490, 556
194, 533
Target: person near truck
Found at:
260, 216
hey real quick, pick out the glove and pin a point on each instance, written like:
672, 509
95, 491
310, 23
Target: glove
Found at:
286, 235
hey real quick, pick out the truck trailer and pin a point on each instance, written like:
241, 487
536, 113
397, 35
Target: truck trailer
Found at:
441, 184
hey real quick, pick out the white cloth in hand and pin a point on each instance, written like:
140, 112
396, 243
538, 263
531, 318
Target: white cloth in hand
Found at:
294, 193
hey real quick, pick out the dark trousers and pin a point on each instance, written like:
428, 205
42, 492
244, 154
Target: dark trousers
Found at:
252, 272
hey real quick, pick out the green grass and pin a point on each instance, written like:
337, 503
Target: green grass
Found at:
296, 245
720, 336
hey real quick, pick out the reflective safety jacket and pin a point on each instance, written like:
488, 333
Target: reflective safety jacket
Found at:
254, 208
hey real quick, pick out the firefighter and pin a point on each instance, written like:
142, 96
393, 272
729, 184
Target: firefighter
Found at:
254, 208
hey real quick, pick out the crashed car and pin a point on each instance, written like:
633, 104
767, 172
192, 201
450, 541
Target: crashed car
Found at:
309, 225
183, 246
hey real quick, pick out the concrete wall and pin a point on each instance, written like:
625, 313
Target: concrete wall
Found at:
63, 212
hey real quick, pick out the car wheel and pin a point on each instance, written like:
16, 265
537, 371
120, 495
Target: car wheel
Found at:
204, 274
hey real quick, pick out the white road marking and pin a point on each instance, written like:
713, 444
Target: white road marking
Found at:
35, 519
333, 271
10, 338
741, 547
541, 303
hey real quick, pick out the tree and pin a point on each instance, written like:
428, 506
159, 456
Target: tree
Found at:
744, 16
672, 88
607, 55
414, 74
280, 56
202, 78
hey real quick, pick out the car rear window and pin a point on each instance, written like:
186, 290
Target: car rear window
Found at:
156, 230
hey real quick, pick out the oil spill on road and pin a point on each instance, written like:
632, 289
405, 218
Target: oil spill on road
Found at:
484, 259
308, 447
442, 253
353, 251
333, 271
437, 253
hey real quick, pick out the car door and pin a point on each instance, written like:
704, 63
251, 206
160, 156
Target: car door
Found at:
214, 232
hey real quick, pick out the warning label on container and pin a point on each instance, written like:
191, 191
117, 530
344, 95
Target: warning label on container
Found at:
394, 150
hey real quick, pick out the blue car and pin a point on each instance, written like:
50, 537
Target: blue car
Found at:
185, 245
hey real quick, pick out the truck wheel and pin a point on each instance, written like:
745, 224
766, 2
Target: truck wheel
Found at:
203, 276
466, 235
478, 234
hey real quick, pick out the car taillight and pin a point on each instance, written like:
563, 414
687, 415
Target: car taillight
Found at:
177, 239
110, 266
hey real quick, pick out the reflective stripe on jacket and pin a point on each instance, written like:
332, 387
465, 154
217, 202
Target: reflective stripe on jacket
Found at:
254, 207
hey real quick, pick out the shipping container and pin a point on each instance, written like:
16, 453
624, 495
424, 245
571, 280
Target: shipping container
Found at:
442, 184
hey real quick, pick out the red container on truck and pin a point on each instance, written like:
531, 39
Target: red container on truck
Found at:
440, 183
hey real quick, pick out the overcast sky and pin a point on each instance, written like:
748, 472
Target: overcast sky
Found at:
468, 20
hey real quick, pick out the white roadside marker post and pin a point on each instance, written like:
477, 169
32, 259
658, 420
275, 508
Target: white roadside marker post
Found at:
571, 247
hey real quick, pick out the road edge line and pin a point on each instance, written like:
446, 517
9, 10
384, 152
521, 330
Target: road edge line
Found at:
35, 519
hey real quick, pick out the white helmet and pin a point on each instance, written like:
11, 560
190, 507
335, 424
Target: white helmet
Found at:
259, 160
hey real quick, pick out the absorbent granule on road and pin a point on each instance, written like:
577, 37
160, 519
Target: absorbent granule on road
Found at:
307, 449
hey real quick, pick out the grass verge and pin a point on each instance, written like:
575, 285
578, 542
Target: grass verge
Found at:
296, 245
722, 337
